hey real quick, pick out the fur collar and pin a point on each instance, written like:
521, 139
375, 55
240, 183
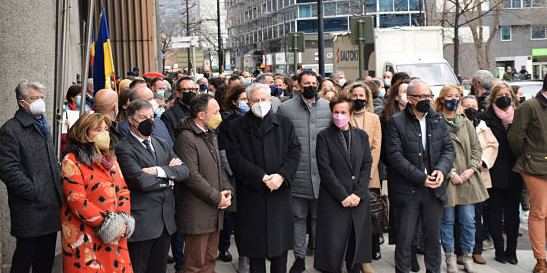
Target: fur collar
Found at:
84, 152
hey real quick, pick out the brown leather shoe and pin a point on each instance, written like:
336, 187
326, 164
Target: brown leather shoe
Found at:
170, 259
459, 259
478, 259
541, 267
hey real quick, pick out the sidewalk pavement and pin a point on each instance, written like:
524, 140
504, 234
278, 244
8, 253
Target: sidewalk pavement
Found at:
387, 265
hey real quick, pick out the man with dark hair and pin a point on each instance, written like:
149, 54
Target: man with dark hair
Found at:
159, 128
157, 85
30, 171
268, 79
419, 156
185, 90
201, 200
309, 114
137, 82
150, 168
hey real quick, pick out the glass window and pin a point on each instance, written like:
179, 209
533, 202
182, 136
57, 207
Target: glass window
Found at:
329, 9
401, 5
416, 19
506, 33
308, 26
306, 1
431, 73
355, 7
527, 3
313, 10
386, 5
415, 5
342, 8
540, 3
394, 20
304, 11
370, 6
336, 24
516, 4
539, 32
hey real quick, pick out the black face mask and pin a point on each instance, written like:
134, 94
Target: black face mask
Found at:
309, 92
423, 106
206, 75
503, 102
359, 104
522, 99
187, 97
472, 114
145, 127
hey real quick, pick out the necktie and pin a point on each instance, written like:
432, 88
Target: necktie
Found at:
146, 143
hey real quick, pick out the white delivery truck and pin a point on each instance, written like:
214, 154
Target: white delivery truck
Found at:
417, 51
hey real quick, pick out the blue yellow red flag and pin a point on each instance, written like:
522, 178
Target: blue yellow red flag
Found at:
103, 65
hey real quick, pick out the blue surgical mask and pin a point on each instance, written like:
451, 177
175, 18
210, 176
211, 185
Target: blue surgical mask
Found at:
387, 82
382, 93
78, 100
161, 93
243, 107
248, 81
203, 86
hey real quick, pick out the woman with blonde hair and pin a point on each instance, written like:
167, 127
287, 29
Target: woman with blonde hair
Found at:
95, 217
464, 188
363, 117
328, 93
503, 205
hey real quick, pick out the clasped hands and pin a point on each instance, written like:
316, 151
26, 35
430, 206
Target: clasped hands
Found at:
226, 199
434, 180
153, 171
351, 201
273, 181
463, 177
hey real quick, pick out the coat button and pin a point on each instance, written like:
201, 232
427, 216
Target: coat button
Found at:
419, 134
420, 154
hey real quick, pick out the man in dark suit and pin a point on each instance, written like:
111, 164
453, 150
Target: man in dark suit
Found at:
185, 89
150, 168
160, 130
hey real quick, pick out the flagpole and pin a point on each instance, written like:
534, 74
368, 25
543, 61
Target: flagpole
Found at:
85, 68
61, 63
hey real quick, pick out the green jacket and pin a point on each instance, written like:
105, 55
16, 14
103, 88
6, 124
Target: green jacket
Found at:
527, 137
468, 155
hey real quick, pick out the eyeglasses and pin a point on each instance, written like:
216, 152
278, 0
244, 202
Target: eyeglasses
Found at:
188, 89
422, 97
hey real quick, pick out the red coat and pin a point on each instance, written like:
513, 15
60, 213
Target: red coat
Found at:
89, 192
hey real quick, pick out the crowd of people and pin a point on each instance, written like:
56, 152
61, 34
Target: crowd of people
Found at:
302, 163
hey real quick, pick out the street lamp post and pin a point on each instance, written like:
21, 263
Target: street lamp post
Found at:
320, 38
220, 49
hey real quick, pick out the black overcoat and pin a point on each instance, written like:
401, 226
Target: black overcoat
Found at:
502, 174
342, 174
255, 147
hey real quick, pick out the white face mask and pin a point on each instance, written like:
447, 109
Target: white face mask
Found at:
37, 108
403, 100
155, 106
161, 93
261, 109
341, 82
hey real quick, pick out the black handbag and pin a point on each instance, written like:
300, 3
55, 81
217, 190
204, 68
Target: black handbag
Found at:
378, 213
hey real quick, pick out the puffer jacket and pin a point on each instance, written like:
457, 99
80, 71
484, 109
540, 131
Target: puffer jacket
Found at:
406, 157
308, 122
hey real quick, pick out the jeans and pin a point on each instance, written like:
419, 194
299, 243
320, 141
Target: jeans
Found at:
478, 232
177, 248
225, 233
466, 216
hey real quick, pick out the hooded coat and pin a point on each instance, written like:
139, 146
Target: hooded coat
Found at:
198, 196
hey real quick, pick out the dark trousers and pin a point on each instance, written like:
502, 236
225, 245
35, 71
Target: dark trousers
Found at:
504, 202
150, 256
478, 232
278, 264
35, 252
177, 248
225, 233
422, 203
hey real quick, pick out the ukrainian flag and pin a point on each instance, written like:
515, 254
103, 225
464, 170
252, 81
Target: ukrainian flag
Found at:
103, 65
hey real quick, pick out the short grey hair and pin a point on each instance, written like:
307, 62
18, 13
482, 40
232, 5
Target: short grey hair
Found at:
470, 97
412, 84
262, 77
21, 91
257, 86
484, 78
90, 81
137, 105
335, 74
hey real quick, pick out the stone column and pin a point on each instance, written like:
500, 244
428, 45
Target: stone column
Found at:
27, 50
